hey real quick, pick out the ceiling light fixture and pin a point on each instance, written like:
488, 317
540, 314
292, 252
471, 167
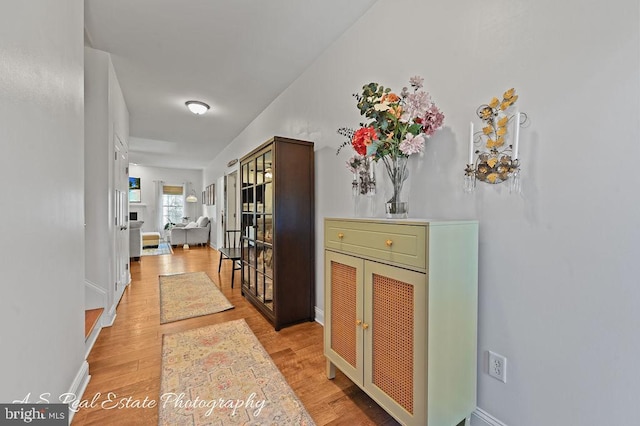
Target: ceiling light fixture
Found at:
197, 107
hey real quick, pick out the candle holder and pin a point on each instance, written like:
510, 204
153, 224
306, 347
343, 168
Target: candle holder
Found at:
496, 162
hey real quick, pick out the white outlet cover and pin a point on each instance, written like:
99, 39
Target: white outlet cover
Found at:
498, 366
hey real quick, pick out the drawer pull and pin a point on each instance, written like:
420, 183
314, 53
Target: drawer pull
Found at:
340, 235
358, 322
389, 243
365, 325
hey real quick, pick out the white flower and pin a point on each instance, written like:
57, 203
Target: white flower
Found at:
416, 82
415, 105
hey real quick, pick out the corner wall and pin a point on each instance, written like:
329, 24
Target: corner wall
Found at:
558, 264
42, 166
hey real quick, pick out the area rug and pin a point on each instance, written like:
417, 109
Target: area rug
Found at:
221, 375
189, 295
163, 248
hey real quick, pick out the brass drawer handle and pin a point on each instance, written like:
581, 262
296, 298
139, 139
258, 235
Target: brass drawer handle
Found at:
358, 322
365, 326
389, 243
340, 235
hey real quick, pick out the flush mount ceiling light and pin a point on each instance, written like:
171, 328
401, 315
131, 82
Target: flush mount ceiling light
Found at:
197, 107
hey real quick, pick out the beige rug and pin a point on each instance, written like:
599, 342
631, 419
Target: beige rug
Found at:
221, 375
189, 295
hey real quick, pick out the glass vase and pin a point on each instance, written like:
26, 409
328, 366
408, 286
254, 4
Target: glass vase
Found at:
397, 207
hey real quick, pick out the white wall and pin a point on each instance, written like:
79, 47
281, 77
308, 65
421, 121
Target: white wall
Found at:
559, 290
147, 209
41, 117
106, 125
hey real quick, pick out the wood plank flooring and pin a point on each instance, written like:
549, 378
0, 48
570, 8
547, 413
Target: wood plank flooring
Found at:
91, 317
126, 358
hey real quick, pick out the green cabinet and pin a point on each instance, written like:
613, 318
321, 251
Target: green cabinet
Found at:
401, 314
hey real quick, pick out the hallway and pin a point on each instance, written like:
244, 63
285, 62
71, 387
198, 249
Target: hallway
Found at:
126, 359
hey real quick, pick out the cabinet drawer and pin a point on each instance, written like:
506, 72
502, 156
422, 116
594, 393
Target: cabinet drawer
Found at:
391, 242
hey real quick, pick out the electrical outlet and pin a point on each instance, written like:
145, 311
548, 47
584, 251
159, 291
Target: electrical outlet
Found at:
498, 366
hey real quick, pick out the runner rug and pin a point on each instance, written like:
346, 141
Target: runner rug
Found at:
221, 375
189, 295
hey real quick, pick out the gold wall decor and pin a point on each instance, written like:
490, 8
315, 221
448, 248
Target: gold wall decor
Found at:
496, 161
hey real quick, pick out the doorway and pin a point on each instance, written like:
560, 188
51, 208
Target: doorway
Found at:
230, 220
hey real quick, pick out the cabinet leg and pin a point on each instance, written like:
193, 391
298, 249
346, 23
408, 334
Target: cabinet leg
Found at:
331, 370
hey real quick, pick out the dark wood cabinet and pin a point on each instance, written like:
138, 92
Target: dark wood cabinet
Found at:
278, 230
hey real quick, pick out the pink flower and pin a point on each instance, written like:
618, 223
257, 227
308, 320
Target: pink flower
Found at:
412, 144
432, 120
416, 82
416, 105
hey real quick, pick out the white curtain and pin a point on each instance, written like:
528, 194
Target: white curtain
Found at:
159, 217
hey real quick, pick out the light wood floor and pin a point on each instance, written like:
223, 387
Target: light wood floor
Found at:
126, 358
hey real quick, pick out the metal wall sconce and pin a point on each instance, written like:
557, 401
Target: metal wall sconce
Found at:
496, 161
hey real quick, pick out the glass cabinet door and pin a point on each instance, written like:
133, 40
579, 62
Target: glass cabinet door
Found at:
257, 227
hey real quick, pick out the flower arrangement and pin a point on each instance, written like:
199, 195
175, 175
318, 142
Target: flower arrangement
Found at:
397, 126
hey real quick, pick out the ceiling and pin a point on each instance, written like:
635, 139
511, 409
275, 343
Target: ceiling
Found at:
235, 55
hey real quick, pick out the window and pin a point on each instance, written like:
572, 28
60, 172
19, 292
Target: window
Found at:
172, 203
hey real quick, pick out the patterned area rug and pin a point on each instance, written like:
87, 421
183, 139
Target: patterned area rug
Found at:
189, 295
163, 248
221, 375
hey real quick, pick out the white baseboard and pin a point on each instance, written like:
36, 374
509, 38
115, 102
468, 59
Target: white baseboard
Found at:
91, 340
79, 385
319, 315
108, 317
481, 418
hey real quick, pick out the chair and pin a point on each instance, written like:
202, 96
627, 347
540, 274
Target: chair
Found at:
231, 251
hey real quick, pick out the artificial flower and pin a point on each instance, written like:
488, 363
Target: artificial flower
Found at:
412, 144
362, 138
416, 82
416, 105
397, 125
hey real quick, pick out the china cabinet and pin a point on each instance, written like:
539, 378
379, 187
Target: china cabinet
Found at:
401, 314
278, 230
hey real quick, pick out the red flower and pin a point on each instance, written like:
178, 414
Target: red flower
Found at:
362, 138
